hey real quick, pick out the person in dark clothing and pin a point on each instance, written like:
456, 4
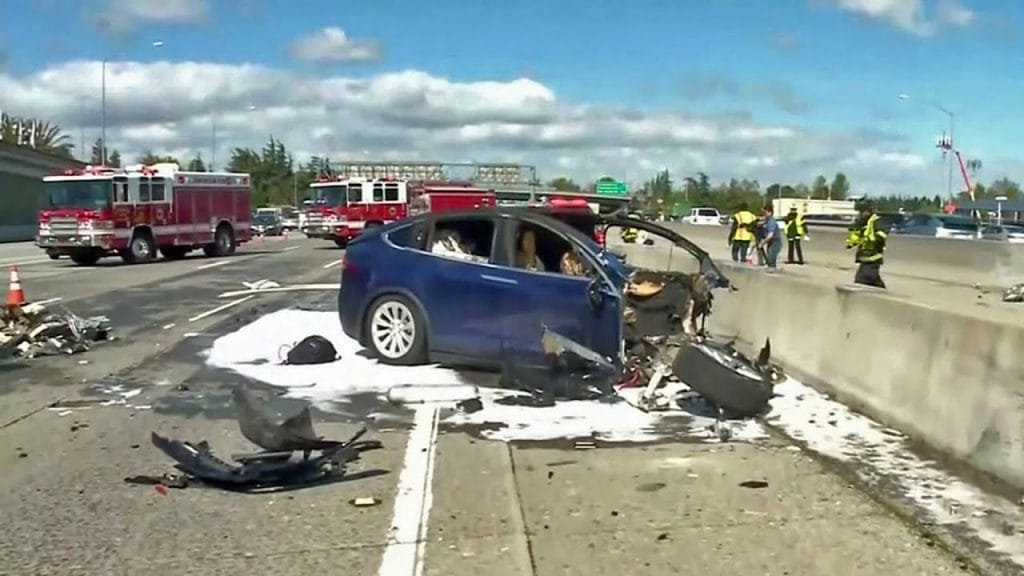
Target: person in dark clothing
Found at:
796, 229
868, 235
759, 236
771, 242
741, 233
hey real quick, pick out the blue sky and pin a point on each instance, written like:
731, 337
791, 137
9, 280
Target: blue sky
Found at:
821, 65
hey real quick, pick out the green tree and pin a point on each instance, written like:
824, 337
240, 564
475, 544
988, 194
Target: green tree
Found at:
96, 156
39, 134
819, 188
839, 188
275, 179
564, 184
1004, 187
149, 158
196, 164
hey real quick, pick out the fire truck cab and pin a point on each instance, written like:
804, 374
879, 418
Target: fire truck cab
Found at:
140, 210
341, 208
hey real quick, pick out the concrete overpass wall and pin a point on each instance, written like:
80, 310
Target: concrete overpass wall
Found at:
21, 188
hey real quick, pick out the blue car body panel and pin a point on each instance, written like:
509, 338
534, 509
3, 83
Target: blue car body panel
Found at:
485, 312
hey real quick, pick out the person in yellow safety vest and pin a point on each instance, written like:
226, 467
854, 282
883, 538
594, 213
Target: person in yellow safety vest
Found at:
868, 235
796, 230
629, 235
741, 232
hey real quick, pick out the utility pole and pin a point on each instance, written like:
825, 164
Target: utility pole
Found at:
103, 113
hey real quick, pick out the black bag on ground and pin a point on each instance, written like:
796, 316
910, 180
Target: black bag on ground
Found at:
312, 350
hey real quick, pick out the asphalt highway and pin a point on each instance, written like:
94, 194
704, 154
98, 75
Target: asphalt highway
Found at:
494, 508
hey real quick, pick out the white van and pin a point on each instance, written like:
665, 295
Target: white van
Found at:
704, 217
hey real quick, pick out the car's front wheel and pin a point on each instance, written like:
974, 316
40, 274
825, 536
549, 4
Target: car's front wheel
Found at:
396, 331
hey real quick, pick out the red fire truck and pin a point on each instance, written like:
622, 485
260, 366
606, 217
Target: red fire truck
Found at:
341, 208
136, 211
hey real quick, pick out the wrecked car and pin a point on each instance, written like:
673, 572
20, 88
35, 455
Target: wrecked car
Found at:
475, 287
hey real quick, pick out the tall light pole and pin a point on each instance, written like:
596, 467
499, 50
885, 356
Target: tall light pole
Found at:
948, 145
103, 105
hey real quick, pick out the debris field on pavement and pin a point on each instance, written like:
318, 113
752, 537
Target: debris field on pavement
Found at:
46, 329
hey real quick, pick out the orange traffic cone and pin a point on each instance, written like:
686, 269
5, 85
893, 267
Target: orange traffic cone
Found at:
15, 295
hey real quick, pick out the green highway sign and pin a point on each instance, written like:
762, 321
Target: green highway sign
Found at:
610, 188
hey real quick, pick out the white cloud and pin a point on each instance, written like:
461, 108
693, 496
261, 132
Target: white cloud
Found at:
912, 16
119, 15
333, 45
170, 106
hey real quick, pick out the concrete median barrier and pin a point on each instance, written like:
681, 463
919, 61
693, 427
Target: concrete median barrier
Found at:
967, 262
946, 377
950, 380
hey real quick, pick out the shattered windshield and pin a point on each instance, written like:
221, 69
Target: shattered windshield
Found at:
78, 194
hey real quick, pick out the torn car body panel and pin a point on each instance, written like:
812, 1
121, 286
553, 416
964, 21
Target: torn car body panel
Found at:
294, 433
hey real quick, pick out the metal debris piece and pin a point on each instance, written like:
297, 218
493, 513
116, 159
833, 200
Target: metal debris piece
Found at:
295, 433
1014, 293
572, 372
44, 330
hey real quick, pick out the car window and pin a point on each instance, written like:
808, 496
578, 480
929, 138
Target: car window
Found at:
707, 212
466, 238
410, 235
545, 250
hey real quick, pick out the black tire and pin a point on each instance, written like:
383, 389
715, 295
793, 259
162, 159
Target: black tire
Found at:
53, 255
223, 242
340, 242
141, 248
85, 257
174, 252
398, 308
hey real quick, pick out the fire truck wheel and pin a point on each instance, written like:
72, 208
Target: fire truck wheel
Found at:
140, 249
223, 241
396, 331
85, 257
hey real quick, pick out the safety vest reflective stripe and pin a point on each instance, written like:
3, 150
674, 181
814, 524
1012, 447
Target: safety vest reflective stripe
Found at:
868, 249
744, 220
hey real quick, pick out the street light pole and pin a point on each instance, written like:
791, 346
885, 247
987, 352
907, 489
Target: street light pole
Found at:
950, 148
103, 112
213, 139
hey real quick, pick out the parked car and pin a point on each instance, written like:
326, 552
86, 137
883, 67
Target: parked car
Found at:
264, 224
704, 217
408, 299
940, 226
1012, 233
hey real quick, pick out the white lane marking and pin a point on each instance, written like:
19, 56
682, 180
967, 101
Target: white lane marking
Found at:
213, 264
168, 326
335, 263
24, 261
291, 288
291, 248
220, 308
48, 301
408, 539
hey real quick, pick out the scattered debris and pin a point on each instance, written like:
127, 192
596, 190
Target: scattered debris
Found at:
755, 484
168, 480
35, 330
1014, 293
444, 394
270, 287
311, 350
470, 406
277, 466
364, 502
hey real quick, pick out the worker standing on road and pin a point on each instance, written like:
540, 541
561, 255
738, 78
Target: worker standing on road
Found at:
741, 233
796, 229
771, 241
868, 236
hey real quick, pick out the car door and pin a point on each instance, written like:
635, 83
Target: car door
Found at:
586, 309
459, 294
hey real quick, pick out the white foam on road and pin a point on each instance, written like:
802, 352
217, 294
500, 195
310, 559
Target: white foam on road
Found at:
257, 349
831, 429
823, 425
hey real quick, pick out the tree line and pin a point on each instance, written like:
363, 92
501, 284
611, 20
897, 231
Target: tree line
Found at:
277, 178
